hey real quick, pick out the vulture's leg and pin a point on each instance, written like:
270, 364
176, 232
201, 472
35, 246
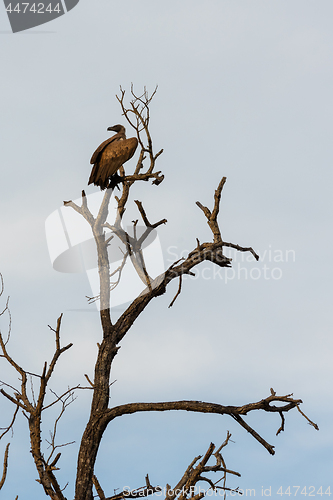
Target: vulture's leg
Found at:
115, 179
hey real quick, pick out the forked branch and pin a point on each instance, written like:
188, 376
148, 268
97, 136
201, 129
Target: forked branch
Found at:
33, 408
236, 412
187, 485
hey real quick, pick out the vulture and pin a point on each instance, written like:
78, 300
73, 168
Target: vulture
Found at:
110, 156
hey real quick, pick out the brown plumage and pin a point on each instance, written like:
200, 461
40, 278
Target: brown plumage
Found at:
110, 156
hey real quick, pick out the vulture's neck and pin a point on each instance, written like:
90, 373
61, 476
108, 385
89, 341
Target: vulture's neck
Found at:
119, 137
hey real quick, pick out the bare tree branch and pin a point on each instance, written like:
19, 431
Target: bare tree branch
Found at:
10, 426
307, 418
186, 486
65, 403
241, 249
99, 490
204, 407
178, 291
5, 466
33, 411
144, 491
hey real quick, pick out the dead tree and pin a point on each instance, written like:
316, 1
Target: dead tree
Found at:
101, 412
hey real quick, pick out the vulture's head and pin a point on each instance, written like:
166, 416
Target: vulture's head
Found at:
117, 128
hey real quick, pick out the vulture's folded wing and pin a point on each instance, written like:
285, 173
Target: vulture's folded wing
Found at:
110, 158
100, 148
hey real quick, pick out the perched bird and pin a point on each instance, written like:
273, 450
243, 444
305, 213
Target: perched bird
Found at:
110, 156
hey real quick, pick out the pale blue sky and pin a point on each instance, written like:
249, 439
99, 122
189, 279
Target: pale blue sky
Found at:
245, 91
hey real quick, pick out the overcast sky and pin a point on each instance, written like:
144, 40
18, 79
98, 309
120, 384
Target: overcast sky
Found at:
244, 91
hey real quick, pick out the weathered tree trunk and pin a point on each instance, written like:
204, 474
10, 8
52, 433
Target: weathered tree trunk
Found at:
107, 350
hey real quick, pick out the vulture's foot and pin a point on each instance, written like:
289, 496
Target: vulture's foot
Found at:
115, 179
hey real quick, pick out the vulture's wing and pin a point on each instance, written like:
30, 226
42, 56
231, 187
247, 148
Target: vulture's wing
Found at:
110, 158
101, 147
115, 155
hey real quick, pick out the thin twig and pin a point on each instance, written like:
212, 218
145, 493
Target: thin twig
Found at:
307, 418
178, 291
